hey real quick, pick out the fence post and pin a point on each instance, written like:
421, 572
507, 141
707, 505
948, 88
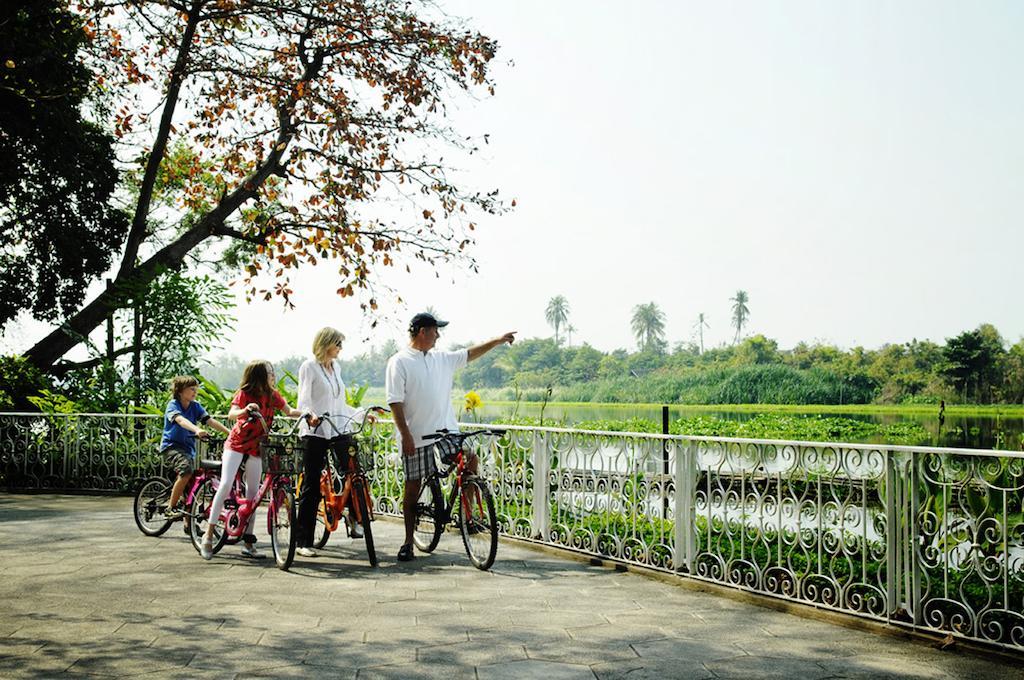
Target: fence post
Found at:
664, 461
913, 561
685, 485
541, 457
892, 537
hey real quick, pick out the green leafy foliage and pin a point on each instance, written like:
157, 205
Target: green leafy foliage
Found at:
974, 367
58, 172
761, 426
180, 317
19, 380
354, 395
52, 402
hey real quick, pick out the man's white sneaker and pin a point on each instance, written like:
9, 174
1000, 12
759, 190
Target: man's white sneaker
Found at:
305, 552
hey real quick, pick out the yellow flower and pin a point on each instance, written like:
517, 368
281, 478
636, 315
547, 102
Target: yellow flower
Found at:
473, 401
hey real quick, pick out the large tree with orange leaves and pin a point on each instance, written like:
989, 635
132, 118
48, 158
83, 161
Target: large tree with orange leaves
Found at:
281, 126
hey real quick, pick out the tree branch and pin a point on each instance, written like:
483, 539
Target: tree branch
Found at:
139, 222
67, 366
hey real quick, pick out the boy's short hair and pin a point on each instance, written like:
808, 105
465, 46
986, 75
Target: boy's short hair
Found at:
181, 382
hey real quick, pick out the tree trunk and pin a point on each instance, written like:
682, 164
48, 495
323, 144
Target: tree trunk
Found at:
47, 351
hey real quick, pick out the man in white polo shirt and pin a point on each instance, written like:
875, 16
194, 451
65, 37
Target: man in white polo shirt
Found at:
419, 390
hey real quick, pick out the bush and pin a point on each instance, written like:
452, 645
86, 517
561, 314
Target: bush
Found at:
20, 380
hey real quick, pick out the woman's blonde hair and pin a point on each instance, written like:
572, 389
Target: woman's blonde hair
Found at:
324, 340
180, 383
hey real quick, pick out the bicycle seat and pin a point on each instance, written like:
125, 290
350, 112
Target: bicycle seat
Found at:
209, 464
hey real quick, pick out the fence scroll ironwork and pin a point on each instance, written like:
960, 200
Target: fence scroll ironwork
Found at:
919, 537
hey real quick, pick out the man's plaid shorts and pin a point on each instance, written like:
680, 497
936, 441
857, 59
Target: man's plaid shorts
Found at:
419, 464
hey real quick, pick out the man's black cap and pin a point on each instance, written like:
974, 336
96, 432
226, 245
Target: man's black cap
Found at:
425, 320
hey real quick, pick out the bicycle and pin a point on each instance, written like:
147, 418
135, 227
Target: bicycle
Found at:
238, 510
153, 494
477, 519
338, 490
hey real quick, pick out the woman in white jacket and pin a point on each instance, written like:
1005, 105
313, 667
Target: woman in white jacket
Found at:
321, 390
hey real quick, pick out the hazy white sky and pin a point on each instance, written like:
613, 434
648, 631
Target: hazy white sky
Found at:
857, 168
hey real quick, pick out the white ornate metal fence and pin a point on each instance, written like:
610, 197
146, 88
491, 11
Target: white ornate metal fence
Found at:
920, 537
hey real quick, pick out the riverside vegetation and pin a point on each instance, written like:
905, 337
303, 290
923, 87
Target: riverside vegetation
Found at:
976, 370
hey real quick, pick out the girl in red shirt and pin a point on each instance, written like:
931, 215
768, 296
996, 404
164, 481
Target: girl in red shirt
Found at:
255, 394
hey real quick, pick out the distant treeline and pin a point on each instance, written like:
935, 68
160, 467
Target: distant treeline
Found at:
977, 366
365, 369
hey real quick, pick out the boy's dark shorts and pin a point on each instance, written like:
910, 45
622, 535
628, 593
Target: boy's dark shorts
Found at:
176, 459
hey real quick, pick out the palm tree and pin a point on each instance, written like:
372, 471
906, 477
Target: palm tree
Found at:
570, 329
740, 312
557, 313
648, 326
700, 326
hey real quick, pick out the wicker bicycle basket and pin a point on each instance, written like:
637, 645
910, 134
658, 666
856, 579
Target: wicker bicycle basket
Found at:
359, 447
280, 456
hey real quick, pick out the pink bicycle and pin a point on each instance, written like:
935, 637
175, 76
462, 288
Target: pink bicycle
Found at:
278, 470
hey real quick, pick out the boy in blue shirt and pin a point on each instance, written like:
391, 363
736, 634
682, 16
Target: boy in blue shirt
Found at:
182, 418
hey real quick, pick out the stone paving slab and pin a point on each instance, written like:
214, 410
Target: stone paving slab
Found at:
84, 594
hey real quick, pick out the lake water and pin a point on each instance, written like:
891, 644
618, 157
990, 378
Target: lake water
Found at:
975, 432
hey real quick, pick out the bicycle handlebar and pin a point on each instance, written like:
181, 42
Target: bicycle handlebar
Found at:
326, 417
256, 415
463, 436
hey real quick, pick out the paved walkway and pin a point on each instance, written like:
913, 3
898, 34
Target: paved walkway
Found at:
82, 592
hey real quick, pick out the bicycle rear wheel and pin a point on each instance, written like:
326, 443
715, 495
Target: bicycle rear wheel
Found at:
281, 526
359, 492
199, 512
150, 501
429, 520
478, 522
322, 528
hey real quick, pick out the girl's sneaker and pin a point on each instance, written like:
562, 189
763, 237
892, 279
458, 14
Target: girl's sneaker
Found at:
252, 552
206, 549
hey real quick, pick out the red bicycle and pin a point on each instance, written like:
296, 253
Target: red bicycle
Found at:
153, 494
470, 498
279, 457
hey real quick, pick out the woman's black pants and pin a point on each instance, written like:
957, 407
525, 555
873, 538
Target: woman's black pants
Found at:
314, 457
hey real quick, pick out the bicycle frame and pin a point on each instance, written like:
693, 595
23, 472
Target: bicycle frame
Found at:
475, 510
337, 502
237, 511
236, 519
199, 477
459, 466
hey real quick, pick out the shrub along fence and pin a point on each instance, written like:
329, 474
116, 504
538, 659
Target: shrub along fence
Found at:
919, 537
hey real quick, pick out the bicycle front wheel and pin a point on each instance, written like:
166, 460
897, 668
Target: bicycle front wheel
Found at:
150, 501
479, 522
359, 491
429, 520
281, 521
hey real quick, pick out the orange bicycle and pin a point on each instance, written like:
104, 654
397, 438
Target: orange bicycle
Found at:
344, 486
